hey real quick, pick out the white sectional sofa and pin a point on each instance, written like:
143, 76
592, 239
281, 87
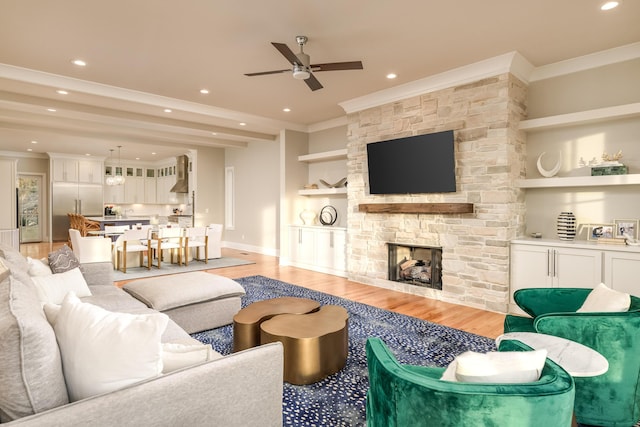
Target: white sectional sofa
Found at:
241, 389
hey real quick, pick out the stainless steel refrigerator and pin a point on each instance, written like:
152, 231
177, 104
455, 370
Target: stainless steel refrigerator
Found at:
84, 199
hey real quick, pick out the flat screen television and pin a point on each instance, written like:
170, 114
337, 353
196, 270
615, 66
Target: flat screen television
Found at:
413, 165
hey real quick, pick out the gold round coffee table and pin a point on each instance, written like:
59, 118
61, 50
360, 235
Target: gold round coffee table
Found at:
315, 344
246, 323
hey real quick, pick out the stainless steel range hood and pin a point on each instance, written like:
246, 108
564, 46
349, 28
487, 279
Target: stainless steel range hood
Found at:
182, 175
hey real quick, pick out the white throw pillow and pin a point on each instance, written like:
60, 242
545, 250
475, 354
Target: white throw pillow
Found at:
104, 351
605, 300
178, 356
503, 367
53, 288
38, 268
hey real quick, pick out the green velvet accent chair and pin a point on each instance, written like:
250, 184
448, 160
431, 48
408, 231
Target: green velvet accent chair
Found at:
406, 395
611, 399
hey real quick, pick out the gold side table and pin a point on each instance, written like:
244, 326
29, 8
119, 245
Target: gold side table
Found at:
246, 323
315, 344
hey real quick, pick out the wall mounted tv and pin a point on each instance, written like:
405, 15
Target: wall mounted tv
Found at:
413, 165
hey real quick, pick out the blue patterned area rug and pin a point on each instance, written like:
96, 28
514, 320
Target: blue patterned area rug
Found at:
339, 400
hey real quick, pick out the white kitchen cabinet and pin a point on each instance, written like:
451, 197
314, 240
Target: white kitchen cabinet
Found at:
134, 191
90, 171
320, 249
549, 265
150, 186
621, 269
64, 170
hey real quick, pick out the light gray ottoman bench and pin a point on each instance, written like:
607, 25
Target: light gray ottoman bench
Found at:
196, 301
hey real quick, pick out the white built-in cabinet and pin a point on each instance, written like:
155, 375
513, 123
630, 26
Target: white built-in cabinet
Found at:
8, 176
76, 171
319, 248
143, 184
537, 263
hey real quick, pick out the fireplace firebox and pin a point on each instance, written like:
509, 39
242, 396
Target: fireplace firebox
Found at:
416, 265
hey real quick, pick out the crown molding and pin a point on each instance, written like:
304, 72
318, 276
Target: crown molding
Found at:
512, 62
586, 62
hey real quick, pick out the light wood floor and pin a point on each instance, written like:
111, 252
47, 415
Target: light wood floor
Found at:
479, 322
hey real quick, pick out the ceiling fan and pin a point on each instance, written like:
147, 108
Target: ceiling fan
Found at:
302, 68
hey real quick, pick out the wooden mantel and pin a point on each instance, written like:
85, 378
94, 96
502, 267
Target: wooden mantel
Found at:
417, 208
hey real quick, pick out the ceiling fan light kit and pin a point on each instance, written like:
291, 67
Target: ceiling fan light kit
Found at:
302, 67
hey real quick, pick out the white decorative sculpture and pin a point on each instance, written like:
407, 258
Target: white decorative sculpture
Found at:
554, 170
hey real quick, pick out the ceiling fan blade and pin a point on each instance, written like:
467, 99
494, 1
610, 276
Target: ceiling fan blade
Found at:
313, 83
287, 53
263, 73
337, 66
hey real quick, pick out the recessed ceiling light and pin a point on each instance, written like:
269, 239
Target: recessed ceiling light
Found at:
242, 124
214, 133
53, 110
87, 154
204, 91
286, 110
62, 92
153, 154
392, 75
79, 63
167, 110
609, 5
29, 149
34, 142
137, 158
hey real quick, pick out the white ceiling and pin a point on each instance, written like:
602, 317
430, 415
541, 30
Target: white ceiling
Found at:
147, 55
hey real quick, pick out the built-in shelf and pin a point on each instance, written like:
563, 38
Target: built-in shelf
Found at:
323, 191
580, 181
581, 117
417, 208
324, 156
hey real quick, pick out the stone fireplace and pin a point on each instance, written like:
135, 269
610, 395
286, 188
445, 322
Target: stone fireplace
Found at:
489, 152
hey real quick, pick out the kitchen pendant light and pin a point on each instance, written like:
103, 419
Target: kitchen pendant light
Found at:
110, 180
119, 179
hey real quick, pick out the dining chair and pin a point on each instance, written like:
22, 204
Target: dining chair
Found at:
91, 248
196, 237
214, 234
128, 242
167, 238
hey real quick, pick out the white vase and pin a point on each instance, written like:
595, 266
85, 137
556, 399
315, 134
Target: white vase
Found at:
566, 226
308, 217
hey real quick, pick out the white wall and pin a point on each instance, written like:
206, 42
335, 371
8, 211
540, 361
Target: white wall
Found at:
257, 197
210, 184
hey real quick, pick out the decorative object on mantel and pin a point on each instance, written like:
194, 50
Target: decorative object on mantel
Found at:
610, 165
328, 215
311, 187
566, 226
554, 170
417, 208
308, 217
341, 183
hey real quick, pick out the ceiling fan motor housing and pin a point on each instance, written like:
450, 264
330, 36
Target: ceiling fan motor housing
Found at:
301, 72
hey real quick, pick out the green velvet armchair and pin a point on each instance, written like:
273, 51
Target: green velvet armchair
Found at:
611, 399
406, 395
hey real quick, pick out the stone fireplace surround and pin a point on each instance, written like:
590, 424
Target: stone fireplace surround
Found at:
484, 115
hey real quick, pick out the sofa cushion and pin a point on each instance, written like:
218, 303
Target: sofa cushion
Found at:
103, 351
63, 260
605, 300
178, 356
38, 268
54, 287
31, 376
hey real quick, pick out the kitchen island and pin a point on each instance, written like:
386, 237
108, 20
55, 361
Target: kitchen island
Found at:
115, 220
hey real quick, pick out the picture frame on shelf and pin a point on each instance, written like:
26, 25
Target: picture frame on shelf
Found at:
625, 226
600, 231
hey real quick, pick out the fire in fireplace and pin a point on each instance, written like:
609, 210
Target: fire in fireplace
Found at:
416, 265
